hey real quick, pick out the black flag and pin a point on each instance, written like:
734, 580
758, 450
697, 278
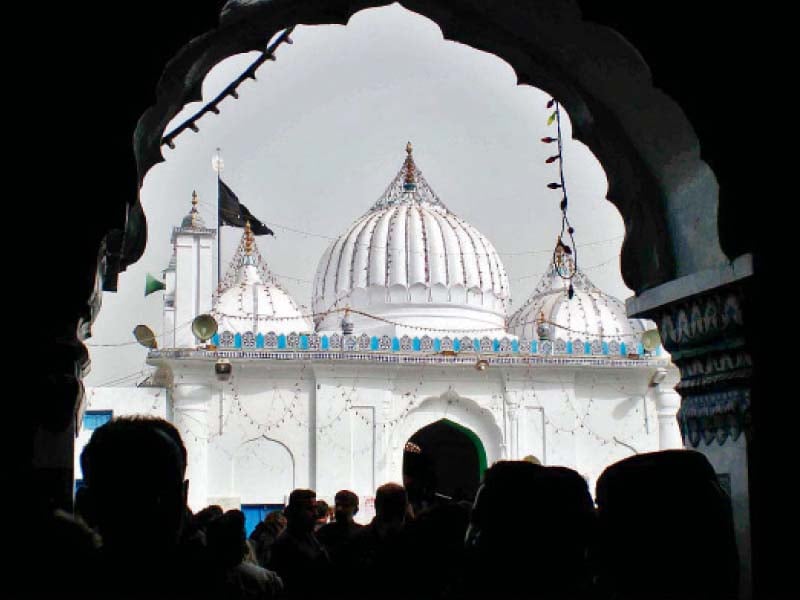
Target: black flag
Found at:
234, 213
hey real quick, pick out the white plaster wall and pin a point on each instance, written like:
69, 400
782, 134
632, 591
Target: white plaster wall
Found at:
191, 419
122, 401
279, 425
731, 458
545, 397
581, 418
346, 440
617, 418
259, 430
263, 471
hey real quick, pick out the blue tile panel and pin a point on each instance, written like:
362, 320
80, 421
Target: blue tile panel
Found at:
92, 419
303, 342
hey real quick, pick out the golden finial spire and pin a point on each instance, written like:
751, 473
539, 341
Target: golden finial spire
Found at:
193, 219
542, 330
248, 239
410, 180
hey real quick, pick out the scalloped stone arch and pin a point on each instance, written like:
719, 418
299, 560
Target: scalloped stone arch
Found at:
259, 470
461, 410
667, 196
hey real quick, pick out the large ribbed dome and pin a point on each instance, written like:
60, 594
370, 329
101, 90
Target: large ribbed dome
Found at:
252, 301
411, 264
590, 316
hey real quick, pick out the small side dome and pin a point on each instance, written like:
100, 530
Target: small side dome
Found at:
252, 301
590, 315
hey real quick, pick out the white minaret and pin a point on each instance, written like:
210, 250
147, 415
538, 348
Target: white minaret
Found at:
194, 270
168, 337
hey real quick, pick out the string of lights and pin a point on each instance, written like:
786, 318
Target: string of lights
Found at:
288, 410
565, 256
581, 418
178, 328
300, 231
229, 90
157, 397
589, 268
242, 250
426, 252
447, 330
123, 379
413, 403
548, 251
348, 402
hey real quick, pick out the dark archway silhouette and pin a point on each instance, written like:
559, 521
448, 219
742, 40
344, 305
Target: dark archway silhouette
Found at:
443, 458
103, 232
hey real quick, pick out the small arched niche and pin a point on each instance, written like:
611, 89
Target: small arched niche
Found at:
263, 472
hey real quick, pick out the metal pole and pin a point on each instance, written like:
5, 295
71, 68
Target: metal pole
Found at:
217, 163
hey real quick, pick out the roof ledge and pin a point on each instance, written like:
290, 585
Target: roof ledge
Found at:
643, 305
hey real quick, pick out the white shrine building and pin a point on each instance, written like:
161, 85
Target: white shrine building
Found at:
410, 340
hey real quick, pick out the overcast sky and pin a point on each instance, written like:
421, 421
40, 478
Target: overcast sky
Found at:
314, 141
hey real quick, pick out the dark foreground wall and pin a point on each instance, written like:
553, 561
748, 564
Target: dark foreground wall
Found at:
79, 76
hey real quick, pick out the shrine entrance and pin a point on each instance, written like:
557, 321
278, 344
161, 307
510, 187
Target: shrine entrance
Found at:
443, 461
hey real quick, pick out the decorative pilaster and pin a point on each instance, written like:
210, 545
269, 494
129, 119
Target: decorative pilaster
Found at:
704, 331
705, 336
512, 444
190, 409
668, 402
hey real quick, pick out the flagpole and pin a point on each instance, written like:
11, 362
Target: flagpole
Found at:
217, 164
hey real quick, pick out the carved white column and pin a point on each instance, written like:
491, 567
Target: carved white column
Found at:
668, 401
513, 431
190, 417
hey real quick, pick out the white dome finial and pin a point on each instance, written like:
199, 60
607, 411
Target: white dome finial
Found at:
193, 220
409, 171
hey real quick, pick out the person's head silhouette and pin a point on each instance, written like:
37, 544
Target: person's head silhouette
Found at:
345, 505
133, 470
391, 506
531, 522
648, 506
301, 511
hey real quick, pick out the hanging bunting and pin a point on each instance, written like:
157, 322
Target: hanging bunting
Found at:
565, 255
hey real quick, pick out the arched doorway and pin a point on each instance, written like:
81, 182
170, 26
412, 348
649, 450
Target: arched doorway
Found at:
443, 459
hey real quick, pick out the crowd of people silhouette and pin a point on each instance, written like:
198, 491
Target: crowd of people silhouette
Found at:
531, 532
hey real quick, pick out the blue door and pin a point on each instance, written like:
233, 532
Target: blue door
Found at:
255, 513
